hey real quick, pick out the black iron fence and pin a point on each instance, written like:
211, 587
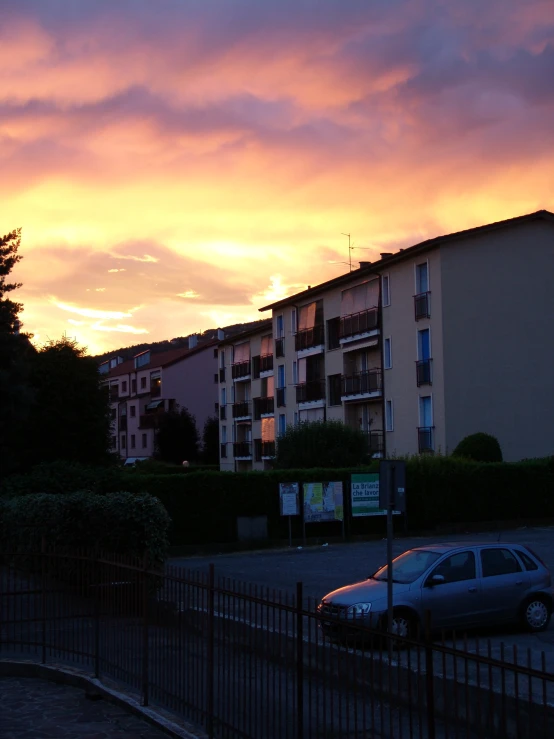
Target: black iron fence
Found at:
359, 323
362, 383
422, 305
247, 661
309, 337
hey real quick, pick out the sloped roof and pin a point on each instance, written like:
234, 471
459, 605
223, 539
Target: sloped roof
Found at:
260, 327
160, 360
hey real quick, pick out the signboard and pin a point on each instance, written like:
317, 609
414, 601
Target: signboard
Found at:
393, 484
323, 501
365, 496
288, 496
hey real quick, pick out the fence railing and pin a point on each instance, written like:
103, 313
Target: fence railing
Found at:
248, 661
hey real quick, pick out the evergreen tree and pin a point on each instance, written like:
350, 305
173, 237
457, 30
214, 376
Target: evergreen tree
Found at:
176, 438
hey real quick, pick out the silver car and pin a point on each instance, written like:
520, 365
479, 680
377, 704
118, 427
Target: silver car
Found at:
462, 585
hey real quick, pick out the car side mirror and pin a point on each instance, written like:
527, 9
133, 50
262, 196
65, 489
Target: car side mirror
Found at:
436, 580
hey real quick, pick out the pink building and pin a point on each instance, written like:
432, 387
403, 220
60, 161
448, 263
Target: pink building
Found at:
144, 387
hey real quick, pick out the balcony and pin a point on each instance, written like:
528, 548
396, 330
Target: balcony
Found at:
150, 420
426, 439
222, 374
240, 370
375, 443
242, 450
242, 410
280, 347
156, 390
368, 383
266, 363
422, 305
423, 372
263, 450
309, 338
123, 423
114, 392
263, 407
309, 392
223, 451
281, 397
358, 324
222, 412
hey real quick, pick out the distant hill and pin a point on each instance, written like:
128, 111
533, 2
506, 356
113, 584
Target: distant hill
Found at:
178, 342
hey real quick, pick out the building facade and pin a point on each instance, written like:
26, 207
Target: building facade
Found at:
417, 349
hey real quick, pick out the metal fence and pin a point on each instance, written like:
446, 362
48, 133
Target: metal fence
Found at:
251, 662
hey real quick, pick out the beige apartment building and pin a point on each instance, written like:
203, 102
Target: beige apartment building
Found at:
418, 349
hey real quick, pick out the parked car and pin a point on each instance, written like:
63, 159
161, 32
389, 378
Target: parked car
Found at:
461, 585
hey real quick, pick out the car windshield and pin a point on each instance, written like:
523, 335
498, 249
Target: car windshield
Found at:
408, 566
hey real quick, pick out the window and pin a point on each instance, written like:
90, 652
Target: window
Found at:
123, 442
144, 441
133, 386
385, 290
295, 373
280, 327
424, 345
124, 387
224, 434
282, 424
457, 567
333, 338
296, 418
425, 412
293, 321
387, 352
281, 375
529, 563
132, 411
222, 359
132, 441
142, 383
422, 278
334, 389
389, 416
223, 396
498, 562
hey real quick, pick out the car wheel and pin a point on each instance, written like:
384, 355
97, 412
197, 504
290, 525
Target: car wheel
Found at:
404, 626
536, 614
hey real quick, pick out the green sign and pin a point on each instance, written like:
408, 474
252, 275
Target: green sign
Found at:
365, 495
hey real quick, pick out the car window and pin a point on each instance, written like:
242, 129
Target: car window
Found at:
528, 563
409, 566
498, 562
457, 567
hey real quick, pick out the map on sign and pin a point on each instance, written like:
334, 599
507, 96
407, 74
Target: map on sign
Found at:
323, 501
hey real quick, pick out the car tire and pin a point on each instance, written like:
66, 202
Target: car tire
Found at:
404, 627
535, 614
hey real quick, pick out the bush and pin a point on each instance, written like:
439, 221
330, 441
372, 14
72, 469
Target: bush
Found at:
480, 448
135, 525
65, 477
321, 444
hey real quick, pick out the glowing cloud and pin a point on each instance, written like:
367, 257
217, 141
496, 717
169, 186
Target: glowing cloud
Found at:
91, 312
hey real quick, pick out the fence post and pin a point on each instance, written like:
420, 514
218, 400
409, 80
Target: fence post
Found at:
43, 596
429, 678
299, 662
96, 590
210, 676
145, 633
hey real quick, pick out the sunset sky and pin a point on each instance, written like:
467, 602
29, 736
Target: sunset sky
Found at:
176, 164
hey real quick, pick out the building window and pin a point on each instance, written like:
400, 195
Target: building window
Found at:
132, 411
123, 442
133, 386
334, 389
296, 418
144, 441
123, 387
295, 373
422, 278
293, 321
223, 396
143, 383
387, 353
224, 434
385, 286
282, 424
280, 327
132, 441
333, 329
389, 416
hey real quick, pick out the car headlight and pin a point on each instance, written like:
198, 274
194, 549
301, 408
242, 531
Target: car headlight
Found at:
359, 609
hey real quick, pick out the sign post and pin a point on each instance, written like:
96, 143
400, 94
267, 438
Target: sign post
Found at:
392, 496
288, 496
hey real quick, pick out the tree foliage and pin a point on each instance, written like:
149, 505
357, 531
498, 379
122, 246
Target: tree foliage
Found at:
210, 441
176, 438
9, 257
321, 444
479, 447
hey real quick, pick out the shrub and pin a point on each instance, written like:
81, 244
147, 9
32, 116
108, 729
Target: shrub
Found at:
321, 444
479, 447
64, 477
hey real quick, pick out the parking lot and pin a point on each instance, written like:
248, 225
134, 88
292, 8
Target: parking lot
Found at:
324, 568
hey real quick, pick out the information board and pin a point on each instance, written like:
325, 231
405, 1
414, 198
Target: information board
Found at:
323, 501
365, 495
288, 496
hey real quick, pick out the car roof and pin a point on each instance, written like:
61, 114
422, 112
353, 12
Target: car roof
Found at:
444, 547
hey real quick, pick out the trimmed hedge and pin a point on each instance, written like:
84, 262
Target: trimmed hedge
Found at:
124, 523
479, 447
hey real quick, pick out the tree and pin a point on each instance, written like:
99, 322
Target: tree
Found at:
210, 441
9, 246
479, 447
70, 417
321, 444
176, 438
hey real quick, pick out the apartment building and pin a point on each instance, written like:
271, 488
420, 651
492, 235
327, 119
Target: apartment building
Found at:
248, 399
428, 344
142, 388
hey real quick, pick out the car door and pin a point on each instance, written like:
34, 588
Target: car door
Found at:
504, 584
453, 603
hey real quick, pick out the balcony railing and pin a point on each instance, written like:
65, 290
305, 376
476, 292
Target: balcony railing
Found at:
222, 412
263, 407
309, 337
222, 374
308, 392
426, 439
156, 390
240, 369
242, 449
223, 452
367, 382
123, 423
241, 410
423, 372
266, 362
268, 449
358, 323
280, 347
150, 420
375, 442
422, 305
281, 397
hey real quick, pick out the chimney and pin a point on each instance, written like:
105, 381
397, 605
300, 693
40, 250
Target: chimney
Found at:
365, 264
193, 341
386, 254
220, 334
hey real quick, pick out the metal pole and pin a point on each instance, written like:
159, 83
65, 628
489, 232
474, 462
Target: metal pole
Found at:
290, 531
299, 662
210, 672
390, 535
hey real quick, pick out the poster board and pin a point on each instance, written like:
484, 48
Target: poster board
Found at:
323, 501
365, 496
288, 498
